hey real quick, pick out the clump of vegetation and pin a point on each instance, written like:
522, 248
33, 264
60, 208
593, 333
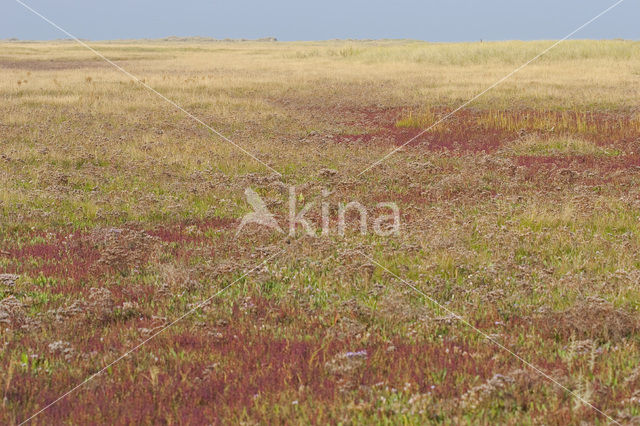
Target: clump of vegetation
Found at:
519, 213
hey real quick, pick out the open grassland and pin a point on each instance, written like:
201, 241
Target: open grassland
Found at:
521, 213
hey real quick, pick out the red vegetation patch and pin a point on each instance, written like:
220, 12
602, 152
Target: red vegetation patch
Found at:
78, 255
583, 169
460, 133
471, 130
221, 371
252, 367
68, 256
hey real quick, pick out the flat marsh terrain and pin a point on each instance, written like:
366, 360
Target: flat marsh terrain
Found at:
519, 235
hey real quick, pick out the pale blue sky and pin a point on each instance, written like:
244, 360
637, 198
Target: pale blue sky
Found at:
445, 20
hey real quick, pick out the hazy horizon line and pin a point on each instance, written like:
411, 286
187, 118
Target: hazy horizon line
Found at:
270, 39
